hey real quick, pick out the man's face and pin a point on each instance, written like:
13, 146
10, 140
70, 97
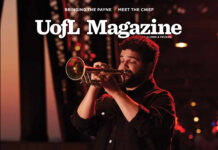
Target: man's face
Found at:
131, 61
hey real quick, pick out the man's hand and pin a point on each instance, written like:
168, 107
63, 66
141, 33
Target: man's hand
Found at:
106, 80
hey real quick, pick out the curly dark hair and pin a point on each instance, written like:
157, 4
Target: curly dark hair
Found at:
145, 47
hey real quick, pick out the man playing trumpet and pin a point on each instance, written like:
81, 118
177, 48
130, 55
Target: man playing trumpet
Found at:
139, 117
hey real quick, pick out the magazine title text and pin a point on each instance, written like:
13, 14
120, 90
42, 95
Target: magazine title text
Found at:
123, 30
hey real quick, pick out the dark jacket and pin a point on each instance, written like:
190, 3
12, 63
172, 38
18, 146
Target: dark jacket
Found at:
145, 131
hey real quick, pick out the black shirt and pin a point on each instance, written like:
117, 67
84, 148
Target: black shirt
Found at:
146, 131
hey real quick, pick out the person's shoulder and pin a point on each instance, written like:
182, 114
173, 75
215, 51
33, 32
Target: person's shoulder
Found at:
158, 94
157, 91
162, 92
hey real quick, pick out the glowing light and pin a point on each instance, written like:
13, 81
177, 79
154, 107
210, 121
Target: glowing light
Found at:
196, 119
86, 37
93, 55
170, 36
181, 10
87, 17
86, 27
77, 47
75, 38
86, 47
215, 129
213, 123
198, 131
190, 136
204, 10
181, 44
193, 104
169, 12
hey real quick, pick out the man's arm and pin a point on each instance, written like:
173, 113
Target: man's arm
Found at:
84, 118
86, 108
128, 106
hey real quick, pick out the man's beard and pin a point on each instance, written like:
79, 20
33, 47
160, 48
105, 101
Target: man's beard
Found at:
133, 80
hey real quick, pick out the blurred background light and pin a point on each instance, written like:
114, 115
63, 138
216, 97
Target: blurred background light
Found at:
193, 103
198, 131
181, 45
196, 119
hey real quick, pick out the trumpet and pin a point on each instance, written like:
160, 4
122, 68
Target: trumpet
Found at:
77, 70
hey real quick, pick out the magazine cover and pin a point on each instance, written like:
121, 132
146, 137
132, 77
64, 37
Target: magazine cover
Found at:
109, 74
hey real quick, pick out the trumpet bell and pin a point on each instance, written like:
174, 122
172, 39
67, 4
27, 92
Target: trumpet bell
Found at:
75, 68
